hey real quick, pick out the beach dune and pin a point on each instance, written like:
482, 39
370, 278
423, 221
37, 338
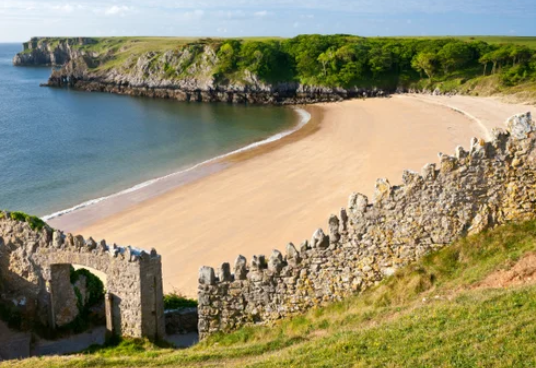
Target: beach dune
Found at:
283, 193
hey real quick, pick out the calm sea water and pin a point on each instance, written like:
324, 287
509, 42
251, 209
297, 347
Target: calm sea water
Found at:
59, 148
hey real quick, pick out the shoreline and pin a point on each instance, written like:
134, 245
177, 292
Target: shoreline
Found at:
282, 192
122, 201
266, 200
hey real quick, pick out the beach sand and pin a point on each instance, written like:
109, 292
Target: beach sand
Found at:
284, 192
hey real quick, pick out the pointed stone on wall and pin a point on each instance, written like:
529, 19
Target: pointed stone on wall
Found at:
275, 263
520, 125
382, 190
207, 276
334, 235
225, 273
319, 239
240, 270
358, 203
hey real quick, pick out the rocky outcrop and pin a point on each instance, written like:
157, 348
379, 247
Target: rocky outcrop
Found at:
50, 51
188, 73
142, 81
490, 184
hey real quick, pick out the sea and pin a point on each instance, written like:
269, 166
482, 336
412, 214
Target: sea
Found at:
62, 149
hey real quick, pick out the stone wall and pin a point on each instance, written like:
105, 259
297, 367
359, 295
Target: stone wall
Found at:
490, 184
181, 321
34, 272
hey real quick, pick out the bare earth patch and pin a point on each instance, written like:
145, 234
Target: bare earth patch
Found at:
522, 273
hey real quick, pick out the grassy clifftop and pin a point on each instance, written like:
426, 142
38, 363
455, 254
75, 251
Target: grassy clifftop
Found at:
473, 65
469, 305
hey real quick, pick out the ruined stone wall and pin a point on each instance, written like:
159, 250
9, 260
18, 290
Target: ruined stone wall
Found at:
33, 269
488, 185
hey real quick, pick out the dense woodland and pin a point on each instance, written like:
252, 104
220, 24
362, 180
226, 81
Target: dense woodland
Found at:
349, 61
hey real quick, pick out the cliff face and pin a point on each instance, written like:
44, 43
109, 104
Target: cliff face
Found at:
187, 72
50, 51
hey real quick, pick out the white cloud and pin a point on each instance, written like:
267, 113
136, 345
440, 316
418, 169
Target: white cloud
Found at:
261, 14
231, 14
120, 10
193, 15
65, 8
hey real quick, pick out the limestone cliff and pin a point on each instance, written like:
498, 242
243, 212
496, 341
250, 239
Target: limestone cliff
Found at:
184, 72
50, 51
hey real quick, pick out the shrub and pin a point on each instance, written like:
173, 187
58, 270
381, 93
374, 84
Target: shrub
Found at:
94, 285
176, 300
35, 222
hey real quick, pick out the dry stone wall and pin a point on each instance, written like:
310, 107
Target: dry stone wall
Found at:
34, 272
490, 184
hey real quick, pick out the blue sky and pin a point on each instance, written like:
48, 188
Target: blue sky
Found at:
22, 19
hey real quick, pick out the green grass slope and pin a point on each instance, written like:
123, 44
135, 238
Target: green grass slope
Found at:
434, 313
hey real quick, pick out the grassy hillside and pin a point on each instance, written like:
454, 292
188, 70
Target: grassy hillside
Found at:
478, 65
447, 310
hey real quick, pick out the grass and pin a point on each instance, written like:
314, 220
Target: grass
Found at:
35, 222
176, 300
529, 41
426, 315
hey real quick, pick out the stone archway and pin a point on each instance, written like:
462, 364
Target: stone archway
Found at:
30, 259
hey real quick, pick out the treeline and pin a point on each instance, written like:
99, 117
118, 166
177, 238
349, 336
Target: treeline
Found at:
350, 61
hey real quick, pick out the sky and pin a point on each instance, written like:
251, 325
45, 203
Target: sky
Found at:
22, 19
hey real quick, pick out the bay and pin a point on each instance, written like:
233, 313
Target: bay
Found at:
59, 147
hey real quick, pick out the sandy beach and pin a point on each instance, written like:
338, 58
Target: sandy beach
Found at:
282, 193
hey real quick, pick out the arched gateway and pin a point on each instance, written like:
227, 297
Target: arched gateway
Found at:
34, 275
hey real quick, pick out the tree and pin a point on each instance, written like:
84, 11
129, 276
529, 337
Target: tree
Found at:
351, 63
499, 57
454, 55
325, 59
228, 56
485, 60
424, 62
381, 60
520, 54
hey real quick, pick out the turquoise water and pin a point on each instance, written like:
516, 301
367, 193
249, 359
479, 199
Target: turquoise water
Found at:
59, 148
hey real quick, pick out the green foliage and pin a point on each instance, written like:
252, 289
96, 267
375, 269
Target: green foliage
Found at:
175, 300
327, 60
424, 62
95, 289
349, 61
35, 222
455, 55
94, 286
228, 57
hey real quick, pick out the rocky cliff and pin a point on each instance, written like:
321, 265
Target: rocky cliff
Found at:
51, 51
184, 72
